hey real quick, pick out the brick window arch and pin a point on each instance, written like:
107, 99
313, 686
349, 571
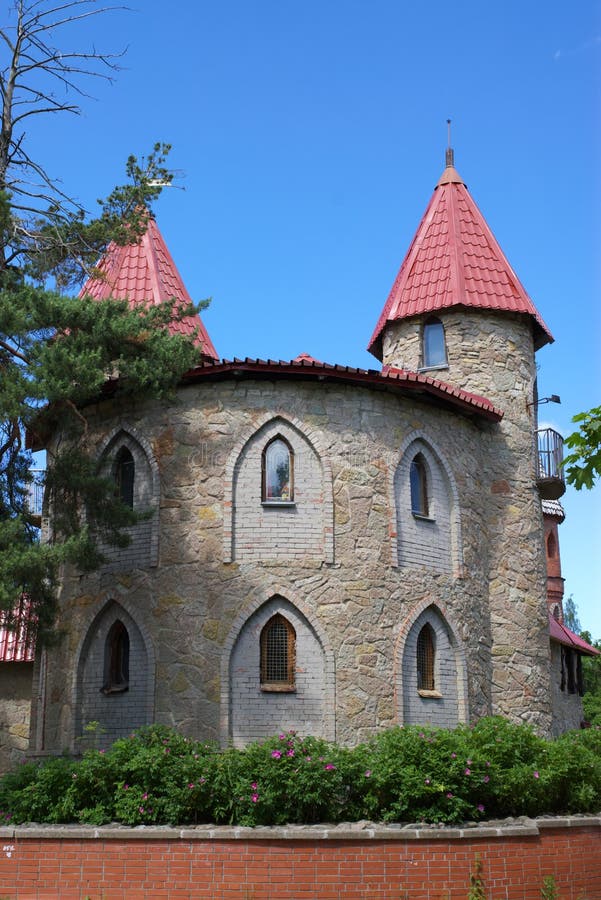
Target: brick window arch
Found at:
116, 659
278, 655
277, 471
124, 473
418, 480
434, 352
425, 656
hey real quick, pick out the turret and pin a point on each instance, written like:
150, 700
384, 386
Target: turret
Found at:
457, 310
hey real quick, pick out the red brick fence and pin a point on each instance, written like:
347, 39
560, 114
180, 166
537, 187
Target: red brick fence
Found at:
346, 862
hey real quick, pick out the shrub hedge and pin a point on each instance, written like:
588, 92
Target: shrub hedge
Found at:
406, 774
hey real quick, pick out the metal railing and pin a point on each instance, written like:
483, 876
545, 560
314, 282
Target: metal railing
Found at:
550, 463
35, 490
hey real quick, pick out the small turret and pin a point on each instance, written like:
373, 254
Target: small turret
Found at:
145, 274
455, 286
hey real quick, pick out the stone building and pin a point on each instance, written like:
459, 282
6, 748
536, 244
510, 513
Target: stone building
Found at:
331, 549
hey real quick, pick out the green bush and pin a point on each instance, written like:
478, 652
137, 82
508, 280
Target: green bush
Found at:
406, 774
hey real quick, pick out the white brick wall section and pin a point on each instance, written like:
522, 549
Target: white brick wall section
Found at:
255, 713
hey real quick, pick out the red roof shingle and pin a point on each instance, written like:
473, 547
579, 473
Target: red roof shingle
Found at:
563, 635
145, 274
455, 261
17, 633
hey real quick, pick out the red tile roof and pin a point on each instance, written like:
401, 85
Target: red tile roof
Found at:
17, 636
145, 274
396, 380
455, 261
563, 635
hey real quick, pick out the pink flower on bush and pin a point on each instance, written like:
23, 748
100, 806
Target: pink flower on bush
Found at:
480, 808
202, 780
254, 797
144, 796
141, 809
329, 767
486, 779
426, 781
453, 756
276, 754
468, 762
191, 785
125, 787
449, 796
368, 773
468, 771
282, 737
536, 775
290, 753
254, 786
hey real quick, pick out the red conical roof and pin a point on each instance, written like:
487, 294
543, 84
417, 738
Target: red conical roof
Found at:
145, 275
455, 261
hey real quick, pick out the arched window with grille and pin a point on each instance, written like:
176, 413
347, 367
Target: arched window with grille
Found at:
277, 472
434, 352
419, 486
425, 652
278, 655
116, 660
124, 472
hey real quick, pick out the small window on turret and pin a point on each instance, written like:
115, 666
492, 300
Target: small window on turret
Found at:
434, 351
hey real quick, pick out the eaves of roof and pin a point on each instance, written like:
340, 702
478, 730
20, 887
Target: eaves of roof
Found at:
388, 379
563, 635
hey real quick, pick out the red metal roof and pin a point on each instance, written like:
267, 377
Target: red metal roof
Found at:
145, 274
397, 380
455, 261
563, 635
17, 636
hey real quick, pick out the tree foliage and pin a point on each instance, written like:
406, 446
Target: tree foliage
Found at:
58, 353
583, 465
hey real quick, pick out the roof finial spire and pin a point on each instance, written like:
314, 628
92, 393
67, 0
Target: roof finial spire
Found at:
449, 155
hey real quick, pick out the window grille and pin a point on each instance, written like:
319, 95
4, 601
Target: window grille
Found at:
116, 660
425, 659
419, 486
278, 652
124, 473
277, 471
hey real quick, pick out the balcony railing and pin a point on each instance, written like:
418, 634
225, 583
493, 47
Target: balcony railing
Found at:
549, 476
35, 496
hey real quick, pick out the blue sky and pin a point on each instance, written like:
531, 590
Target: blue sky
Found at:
310, 137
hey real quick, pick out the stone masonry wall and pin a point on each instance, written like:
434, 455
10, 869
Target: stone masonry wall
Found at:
362, 599
492, 354
15, 701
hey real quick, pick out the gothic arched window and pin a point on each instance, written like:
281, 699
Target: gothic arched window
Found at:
434, 351
419, 486
278, 655
116, 659
277, 471
124, 472
425, 659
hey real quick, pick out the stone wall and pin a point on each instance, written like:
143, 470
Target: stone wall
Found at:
15, 701
354, 862
353, 592
492, 354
